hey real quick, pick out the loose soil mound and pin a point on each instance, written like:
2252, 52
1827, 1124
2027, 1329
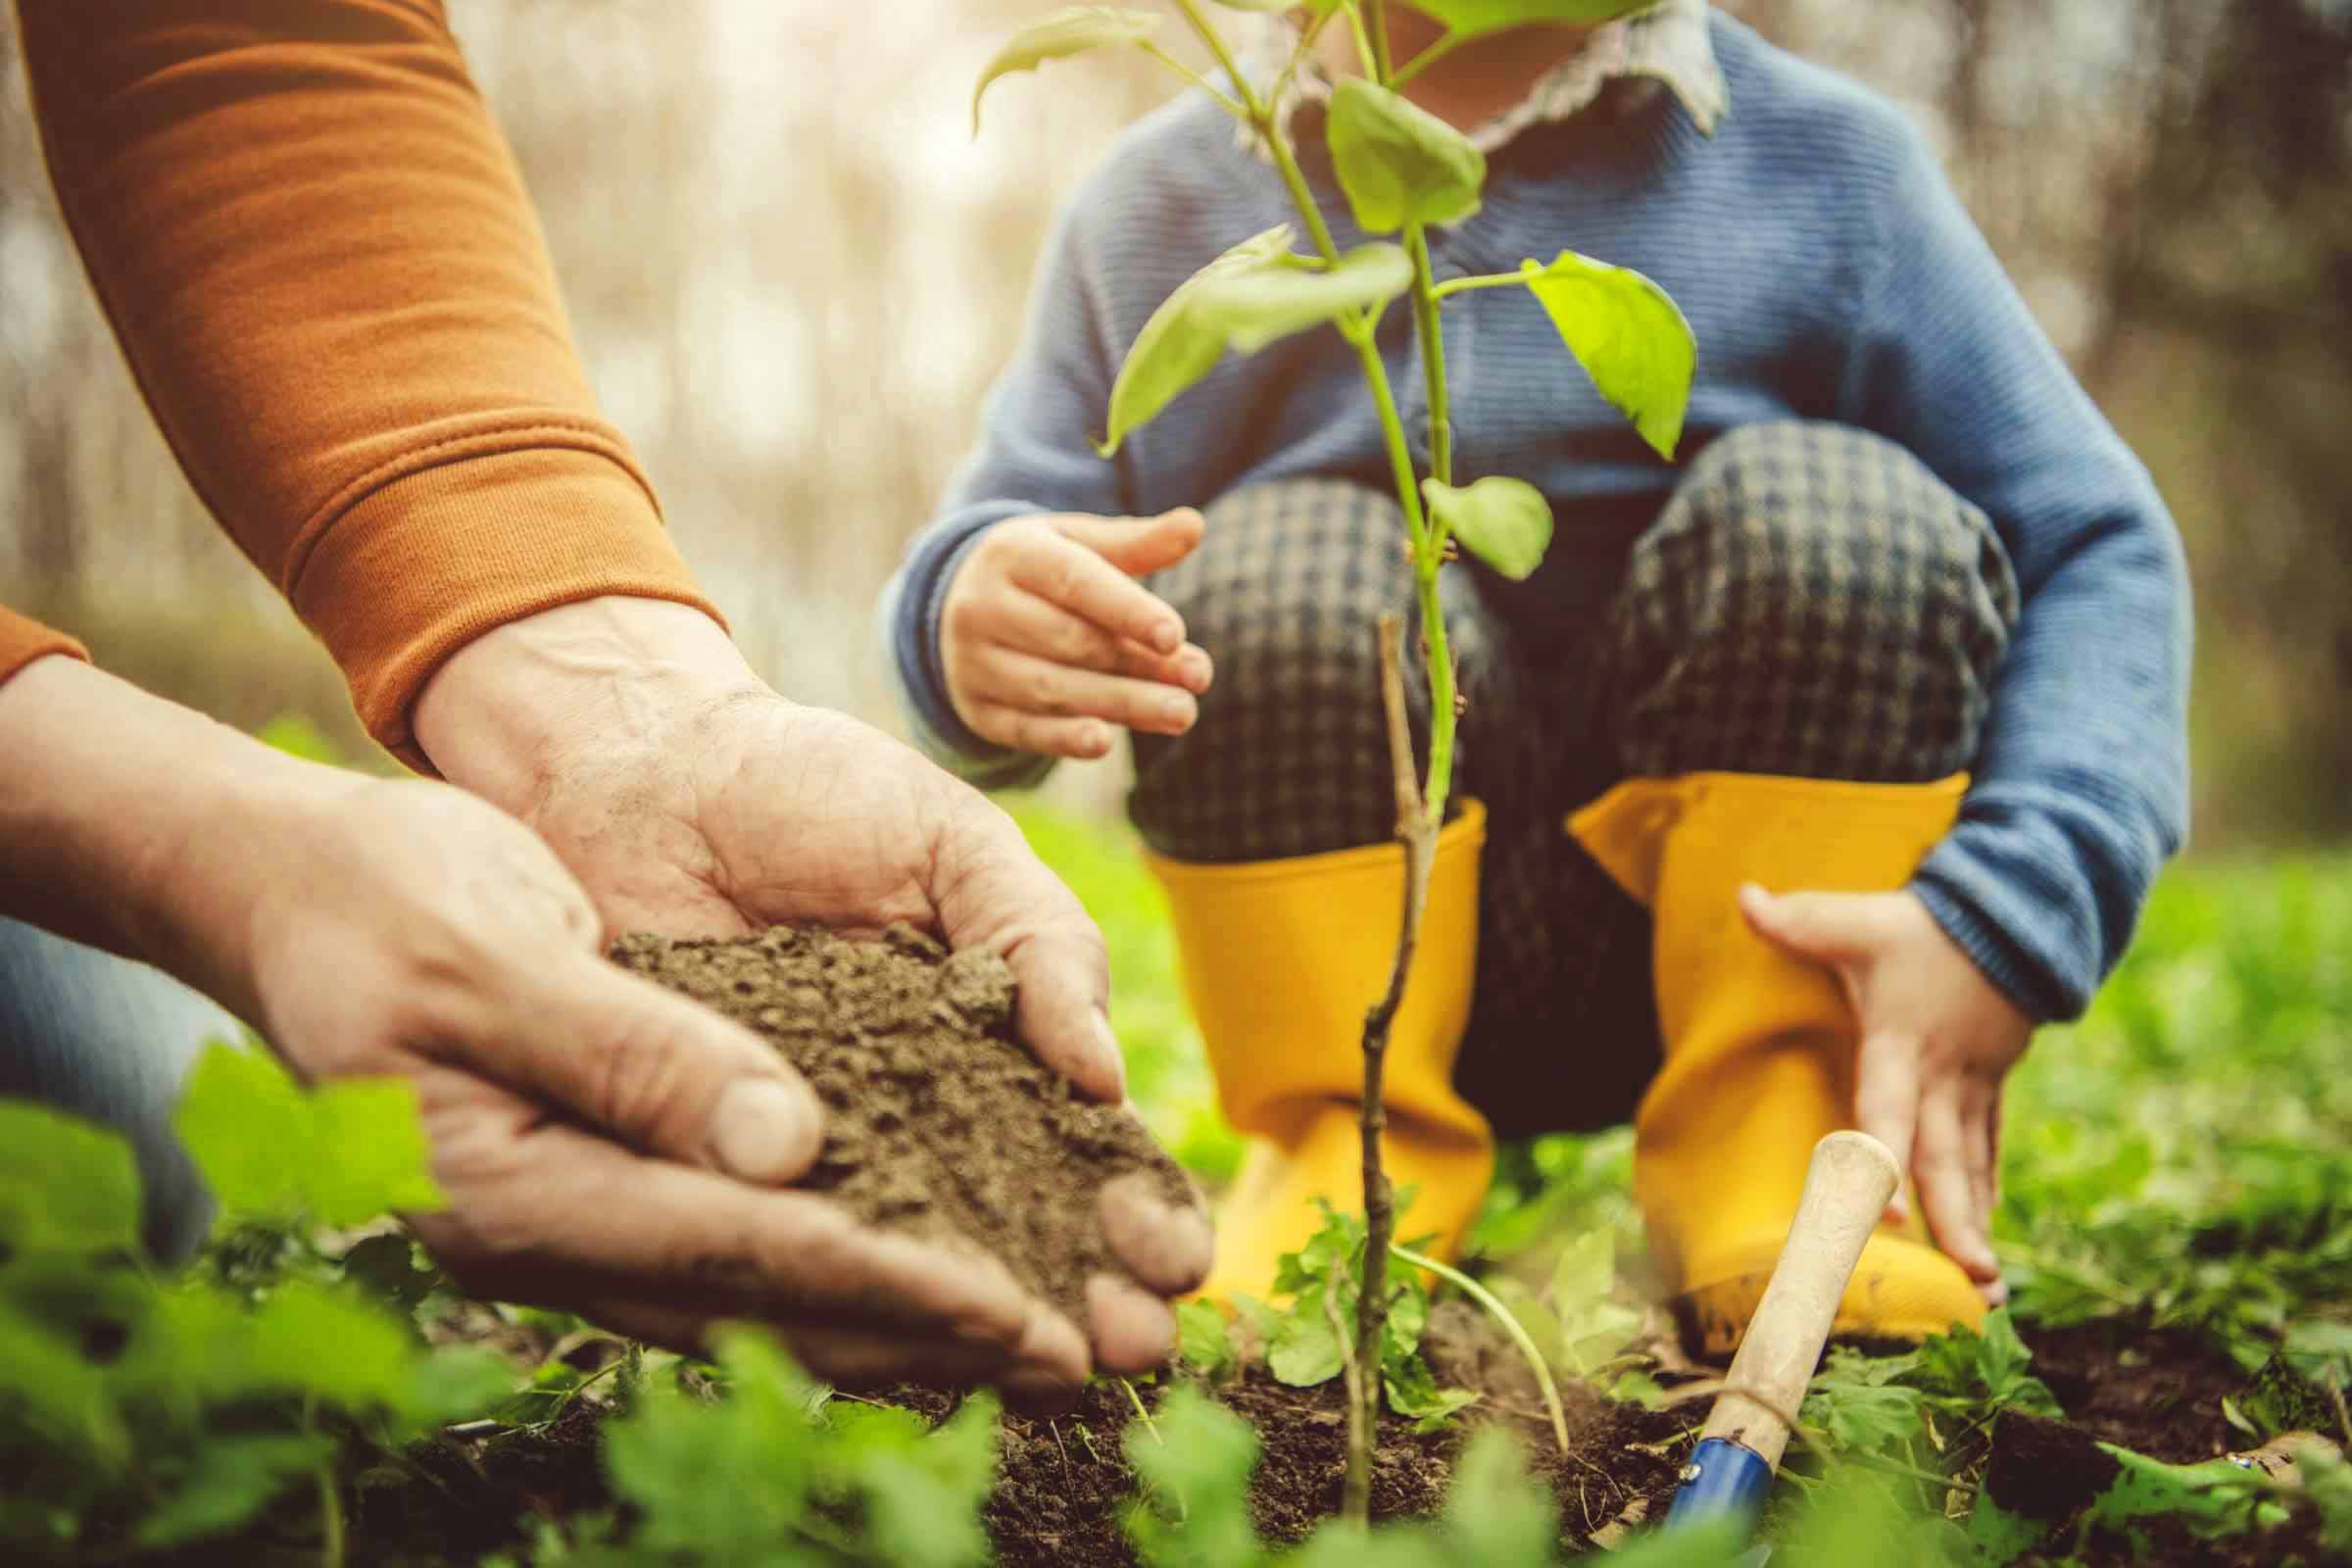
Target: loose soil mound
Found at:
1064, 1483
939, 1123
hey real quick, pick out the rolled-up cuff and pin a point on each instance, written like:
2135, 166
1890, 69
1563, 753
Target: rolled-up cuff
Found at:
24, 640
414, 570
2032, 984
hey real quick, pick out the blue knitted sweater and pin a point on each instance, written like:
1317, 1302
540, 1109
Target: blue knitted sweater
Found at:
1829, 271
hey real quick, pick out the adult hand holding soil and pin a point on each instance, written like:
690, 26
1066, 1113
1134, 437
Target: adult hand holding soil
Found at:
604, 1145
690, 800
1047, 640
1937, 1039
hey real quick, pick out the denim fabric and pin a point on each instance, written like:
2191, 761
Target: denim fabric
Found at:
110, 1040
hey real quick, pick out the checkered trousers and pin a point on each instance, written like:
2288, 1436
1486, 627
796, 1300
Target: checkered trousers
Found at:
1811, 601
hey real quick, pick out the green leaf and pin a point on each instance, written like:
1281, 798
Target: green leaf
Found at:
350, 1151
386, 1268
724, 1482
1327, 1259
313, 1339
1305, 1350
371, 1155
1398, 163
456, 1383
1072, 30
246, 1126
1262, 1317
1504, 523
1594, 1327
1202, 1341
1195, 1464
2211, 1498
234, 1478
923, 1499
2000, 1534
1254, 293
1495, 1512
59, 1398
64, 1183
1475, 18
1628, 334
1413, 1391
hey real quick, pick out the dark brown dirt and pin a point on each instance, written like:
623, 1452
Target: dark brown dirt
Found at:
1064, 1483
2044, 1469
940, 1125
2158, 1391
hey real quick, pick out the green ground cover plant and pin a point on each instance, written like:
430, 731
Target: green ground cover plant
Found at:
313, 1392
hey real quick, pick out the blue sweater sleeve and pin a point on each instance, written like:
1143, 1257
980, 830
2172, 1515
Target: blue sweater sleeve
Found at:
2081, 786
1034, 456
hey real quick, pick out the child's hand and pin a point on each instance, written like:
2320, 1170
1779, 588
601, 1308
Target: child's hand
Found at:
1047, 639
1936, 1042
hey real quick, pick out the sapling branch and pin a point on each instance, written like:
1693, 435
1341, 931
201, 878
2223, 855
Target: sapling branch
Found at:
1307, 37
1228, 104
1356, 1489
1462, 285
1402, 170
1448, 43
1373, 41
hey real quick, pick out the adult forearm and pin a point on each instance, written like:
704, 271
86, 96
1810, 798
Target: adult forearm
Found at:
140, 826
327, 277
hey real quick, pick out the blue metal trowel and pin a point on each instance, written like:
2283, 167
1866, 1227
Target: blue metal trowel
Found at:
1846, 1190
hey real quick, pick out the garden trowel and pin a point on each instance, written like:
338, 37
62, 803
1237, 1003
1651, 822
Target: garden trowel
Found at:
1847, 1189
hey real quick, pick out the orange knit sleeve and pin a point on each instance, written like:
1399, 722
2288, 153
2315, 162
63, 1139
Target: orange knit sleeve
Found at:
322, 265
22, 641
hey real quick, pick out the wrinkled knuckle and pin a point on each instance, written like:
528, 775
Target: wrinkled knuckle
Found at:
635, 1080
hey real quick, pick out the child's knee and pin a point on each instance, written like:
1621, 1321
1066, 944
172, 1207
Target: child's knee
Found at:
1282, 564
1288, 753
1815, 598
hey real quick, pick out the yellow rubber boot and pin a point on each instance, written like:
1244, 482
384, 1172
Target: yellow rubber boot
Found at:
1281, 960
1760, 1045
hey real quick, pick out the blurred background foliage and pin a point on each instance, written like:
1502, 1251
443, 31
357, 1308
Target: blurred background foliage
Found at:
793, 273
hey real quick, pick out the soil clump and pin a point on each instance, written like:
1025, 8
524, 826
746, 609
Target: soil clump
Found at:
939, 1122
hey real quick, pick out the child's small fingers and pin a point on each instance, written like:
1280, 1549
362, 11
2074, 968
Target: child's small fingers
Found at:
1030, 624
1042, 734
1066, 574
1136, 546
1189, 667
1040, 686
1946, 1190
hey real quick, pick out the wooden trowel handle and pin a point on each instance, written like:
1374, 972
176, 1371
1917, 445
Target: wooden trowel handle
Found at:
1846, 1190
1739, 1450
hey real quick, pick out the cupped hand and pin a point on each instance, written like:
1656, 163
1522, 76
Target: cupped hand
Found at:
1047, 640
604, 1145
691, 800
1937, 1040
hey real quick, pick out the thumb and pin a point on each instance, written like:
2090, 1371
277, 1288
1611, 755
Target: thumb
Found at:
662, 1074
1830, 928
1138, 546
